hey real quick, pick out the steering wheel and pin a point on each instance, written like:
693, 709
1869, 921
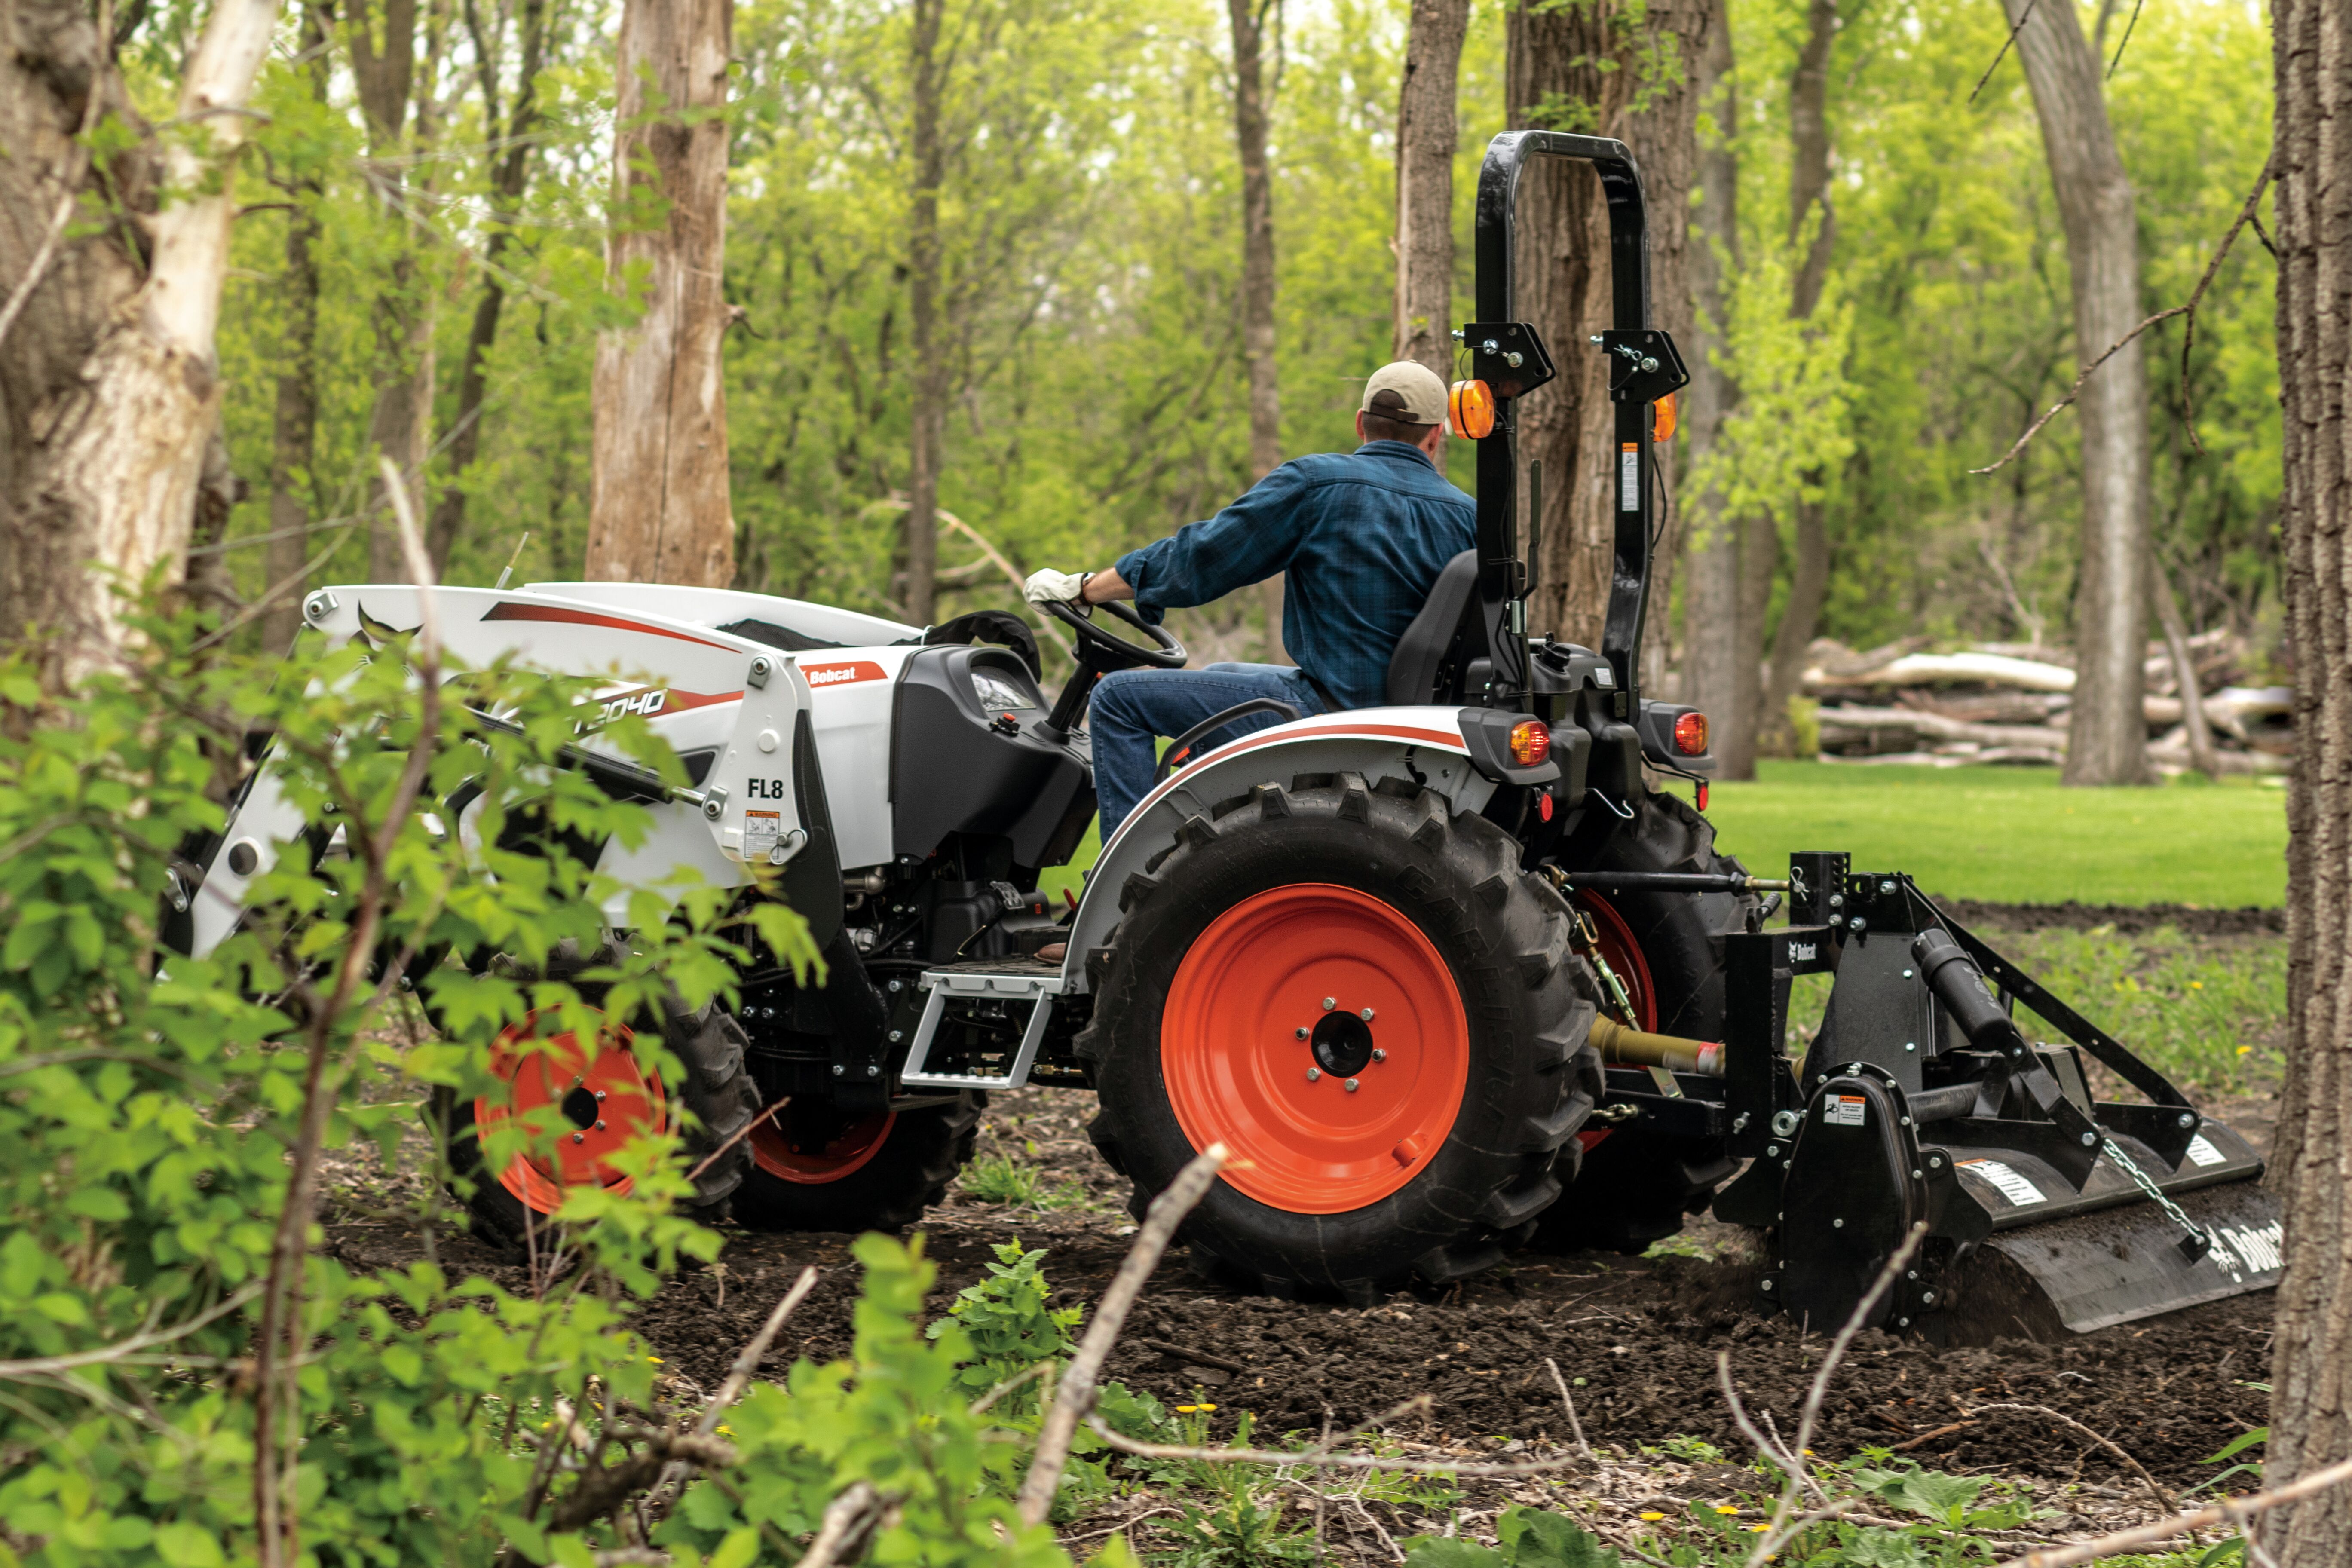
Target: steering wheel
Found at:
1166, 654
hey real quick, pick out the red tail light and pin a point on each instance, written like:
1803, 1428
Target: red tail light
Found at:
1530, 742
1690, 734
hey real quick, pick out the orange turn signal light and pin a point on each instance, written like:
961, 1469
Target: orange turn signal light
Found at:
1471, 408
1662, 418
1690, 734
1530, 742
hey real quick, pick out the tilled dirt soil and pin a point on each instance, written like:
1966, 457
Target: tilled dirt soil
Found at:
1637, 1339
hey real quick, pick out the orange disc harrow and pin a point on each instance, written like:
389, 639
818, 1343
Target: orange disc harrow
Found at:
844, 1152
602, 1097
1318, 1033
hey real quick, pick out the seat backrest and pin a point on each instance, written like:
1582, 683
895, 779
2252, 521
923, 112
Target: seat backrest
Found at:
1422, 654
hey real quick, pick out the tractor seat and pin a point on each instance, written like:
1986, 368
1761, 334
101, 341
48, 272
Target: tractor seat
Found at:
1421, 653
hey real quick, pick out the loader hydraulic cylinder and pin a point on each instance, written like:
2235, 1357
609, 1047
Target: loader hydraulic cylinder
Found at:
1616, 1043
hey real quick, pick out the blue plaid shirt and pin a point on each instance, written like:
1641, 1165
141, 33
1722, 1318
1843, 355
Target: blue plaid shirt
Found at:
1363, 535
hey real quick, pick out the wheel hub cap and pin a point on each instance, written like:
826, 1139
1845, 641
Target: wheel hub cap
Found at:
1268, 1044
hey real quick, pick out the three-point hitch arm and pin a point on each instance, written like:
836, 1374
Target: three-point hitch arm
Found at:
1510, 357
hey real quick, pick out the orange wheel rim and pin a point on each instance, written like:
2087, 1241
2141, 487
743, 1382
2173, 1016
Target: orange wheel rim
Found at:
1622, 953
602, 1097
845, 1152
1246, 1022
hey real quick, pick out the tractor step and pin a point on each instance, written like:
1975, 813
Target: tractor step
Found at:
994, 982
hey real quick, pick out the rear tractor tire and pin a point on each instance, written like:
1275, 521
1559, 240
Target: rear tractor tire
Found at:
1378, 1012
825, 1170
1628, 1189
604, 1096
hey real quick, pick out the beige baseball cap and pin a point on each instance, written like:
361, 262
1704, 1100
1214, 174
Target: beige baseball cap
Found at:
1407, 392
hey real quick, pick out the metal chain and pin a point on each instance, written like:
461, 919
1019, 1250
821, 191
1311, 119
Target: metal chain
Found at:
2155, 1193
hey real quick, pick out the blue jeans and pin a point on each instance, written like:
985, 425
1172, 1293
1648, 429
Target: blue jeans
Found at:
1133, 707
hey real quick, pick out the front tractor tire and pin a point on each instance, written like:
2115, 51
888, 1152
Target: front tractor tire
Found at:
1378, 1014
601, 1094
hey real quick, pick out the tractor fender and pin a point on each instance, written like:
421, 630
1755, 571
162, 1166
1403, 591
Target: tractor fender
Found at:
1427, 746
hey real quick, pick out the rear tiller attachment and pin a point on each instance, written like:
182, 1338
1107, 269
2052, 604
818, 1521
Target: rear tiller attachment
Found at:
1921, 1099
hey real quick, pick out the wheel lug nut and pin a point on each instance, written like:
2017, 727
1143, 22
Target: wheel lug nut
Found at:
1367, 1014
580, 1137
1314, 1073
1301, 1033
600, 1124
600, 1094
1379, 1054
1329, 1003
1352, 1086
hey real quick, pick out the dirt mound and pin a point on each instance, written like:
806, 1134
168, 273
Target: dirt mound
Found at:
2129, 920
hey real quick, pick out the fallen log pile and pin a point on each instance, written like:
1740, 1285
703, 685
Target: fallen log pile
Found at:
2006, 702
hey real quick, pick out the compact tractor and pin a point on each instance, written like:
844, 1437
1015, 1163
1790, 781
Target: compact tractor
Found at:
1448, 976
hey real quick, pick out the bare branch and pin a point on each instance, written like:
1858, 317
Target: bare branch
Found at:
845, 1519
2245, 215
1565, 1398
2231, 1515
737, 1135
1317, 1457
49, 1367
2023, 16
1781, 1529
1077, 1395
2163, 1500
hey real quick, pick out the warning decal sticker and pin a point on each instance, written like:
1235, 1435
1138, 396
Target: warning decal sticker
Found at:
1845, 1110
2014, 1187
763, 831
2201, 1153
1629, 477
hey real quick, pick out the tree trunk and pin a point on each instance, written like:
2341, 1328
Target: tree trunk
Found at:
1812, 222
1570, 68
398, 422
1424, 185
510, 178
659, 507
1251, 55
294, 423
2311, 1420
109, 387
1721, 669
2184, 670
294, 420
2107, 738
926, 74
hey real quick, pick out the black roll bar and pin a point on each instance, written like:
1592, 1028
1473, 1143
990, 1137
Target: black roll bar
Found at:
1643, 366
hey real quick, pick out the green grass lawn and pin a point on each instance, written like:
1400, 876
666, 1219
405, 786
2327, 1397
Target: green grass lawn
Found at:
2013, 835
2004, 835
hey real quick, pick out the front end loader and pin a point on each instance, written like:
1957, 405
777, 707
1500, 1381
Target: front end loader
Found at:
1448, 976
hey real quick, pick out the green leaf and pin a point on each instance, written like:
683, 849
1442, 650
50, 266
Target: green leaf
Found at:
1535, 1538
64, 1309
2239, 1445
738, 1550
570, 1550
1444, 1552
185, 1546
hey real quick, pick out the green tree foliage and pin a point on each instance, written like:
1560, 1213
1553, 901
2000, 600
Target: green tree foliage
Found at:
1092, 254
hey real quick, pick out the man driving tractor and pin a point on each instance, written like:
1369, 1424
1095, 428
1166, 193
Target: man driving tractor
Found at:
1363, 536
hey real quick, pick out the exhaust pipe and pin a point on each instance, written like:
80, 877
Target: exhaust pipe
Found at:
1616, 1043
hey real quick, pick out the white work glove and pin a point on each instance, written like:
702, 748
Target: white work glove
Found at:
1052, 587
